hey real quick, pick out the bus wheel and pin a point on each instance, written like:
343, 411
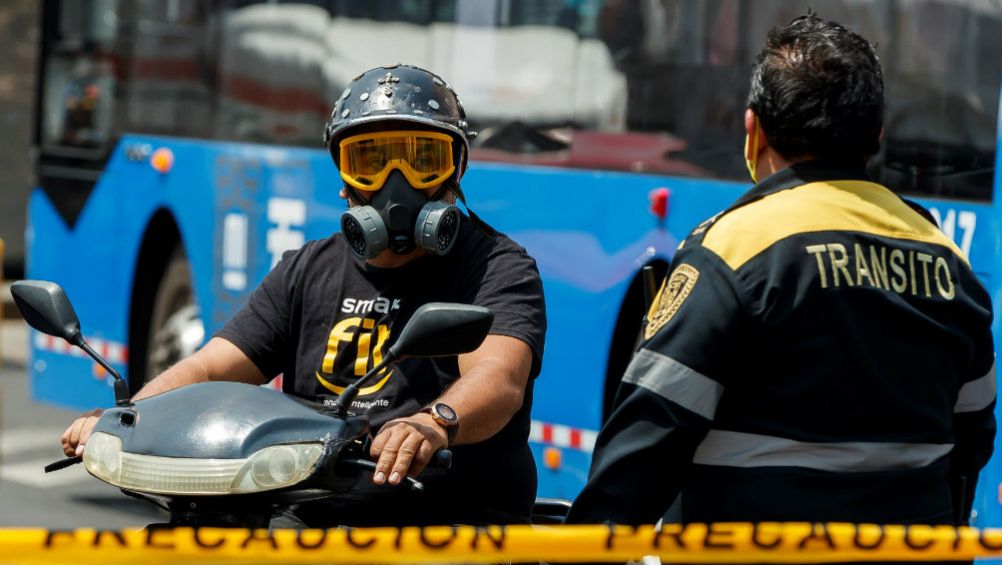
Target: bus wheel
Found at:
176, 329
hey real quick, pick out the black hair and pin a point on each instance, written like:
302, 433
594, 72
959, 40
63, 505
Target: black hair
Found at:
818, 91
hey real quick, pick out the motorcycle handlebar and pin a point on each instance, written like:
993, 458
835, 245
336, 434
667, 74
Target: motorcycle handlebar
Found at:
63, 463
410, 481
442, 459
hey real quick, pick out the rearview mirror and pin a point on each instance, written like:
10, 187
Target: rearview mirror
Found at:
438, 329
46, 308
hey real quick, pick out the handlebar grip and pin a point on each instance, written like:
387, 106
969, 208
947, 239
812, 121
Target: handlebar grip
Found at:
441, 460
371, 466
63, 463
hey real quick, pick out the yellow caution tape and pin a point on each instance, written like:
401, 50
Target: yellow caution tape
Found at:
693, 543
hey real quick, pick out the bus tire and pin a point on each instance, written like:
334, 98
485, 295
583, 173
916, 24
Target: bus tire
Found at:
176, 329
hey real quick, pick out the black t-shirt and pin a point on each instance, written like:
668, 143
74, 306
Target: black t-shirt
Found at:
323, 318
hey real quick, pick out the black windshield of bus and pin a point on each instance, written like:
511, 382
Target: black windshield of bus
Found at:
654, 86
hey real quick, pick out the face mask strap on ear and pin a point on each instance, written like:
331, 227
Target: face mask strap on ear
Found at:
751, 142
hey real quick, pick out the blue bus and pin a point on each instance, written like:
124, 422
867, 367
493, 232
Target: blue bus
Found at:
178, 148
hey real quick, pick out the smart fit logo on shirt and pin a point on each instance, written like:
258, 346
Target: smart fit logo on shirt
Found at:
355, 335
360, 306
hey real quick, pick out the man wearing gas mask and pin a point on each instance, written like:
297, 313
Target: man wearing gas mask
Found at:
329, 311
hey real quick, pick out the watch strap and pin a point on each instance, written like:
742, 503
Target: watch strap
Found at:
450, 434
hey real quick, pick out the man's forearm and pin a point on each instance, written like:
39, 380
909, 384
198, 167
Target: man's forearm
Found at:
491, 389
219, 360
187, 371
483, 406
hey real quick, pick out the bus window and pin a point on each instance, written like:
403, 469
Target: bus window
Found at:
536, 80
941, 68
170, 72
271, 62
81, 107
524, 68
410, 11
87, 20
78, 101
686, 76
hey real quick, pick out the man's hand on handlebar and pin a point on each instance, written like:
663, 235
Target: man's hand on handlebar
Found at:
75, 436
404, 447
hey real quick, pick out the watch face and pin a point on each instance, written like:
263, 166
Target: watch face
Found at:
446, 412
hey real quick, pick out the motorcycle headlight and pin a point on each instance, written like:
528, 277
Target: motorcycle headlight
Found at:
102, 456
270, 468
277, 466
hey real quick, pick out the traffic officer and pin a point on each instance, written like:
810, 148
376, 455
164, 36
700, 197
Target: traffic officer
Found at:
820, 350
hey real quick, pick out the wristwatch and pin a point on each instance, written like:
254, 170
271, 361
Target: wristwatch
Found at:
445, 416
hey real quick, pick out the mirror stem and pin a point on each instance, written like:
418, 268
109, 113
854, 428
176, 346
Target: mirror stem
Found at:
351, 391
121, 387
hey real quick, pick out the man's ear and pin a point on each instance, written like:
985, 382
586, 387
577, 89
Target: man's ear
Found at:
343, 194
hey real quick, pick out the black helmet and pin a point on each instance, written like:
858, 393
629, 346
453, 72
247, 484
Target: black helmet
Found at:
400, 93
410, 94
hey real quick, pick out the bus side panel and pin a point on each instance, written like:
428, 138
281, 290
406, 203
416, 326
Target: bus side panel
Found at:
588, 249
590, 233
96, 258
94, 262
971, 226
979, 230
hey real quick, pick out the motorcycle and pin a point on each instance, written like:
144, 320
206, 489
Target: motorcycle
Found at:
229, 454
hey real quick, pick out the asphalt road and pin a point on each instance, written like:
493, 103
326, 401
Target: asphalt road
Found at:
29, 440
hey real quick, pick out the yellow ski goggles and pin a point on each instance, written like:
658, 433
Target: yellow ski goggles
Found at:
424, 158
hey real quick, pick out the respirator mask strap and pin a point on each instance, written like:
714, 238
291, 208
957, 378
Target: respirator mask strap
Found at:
482, 226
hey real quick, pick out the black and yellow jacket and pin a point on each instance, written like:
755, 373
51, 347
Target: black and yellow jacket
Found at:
820, 351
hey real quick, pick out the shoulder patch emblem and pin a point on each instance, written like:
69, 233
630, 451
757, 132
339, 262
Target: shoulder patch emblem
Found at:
673, 293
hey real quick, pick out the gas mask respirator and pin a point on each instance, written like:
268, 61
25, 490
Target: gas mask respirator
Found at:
400, 218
